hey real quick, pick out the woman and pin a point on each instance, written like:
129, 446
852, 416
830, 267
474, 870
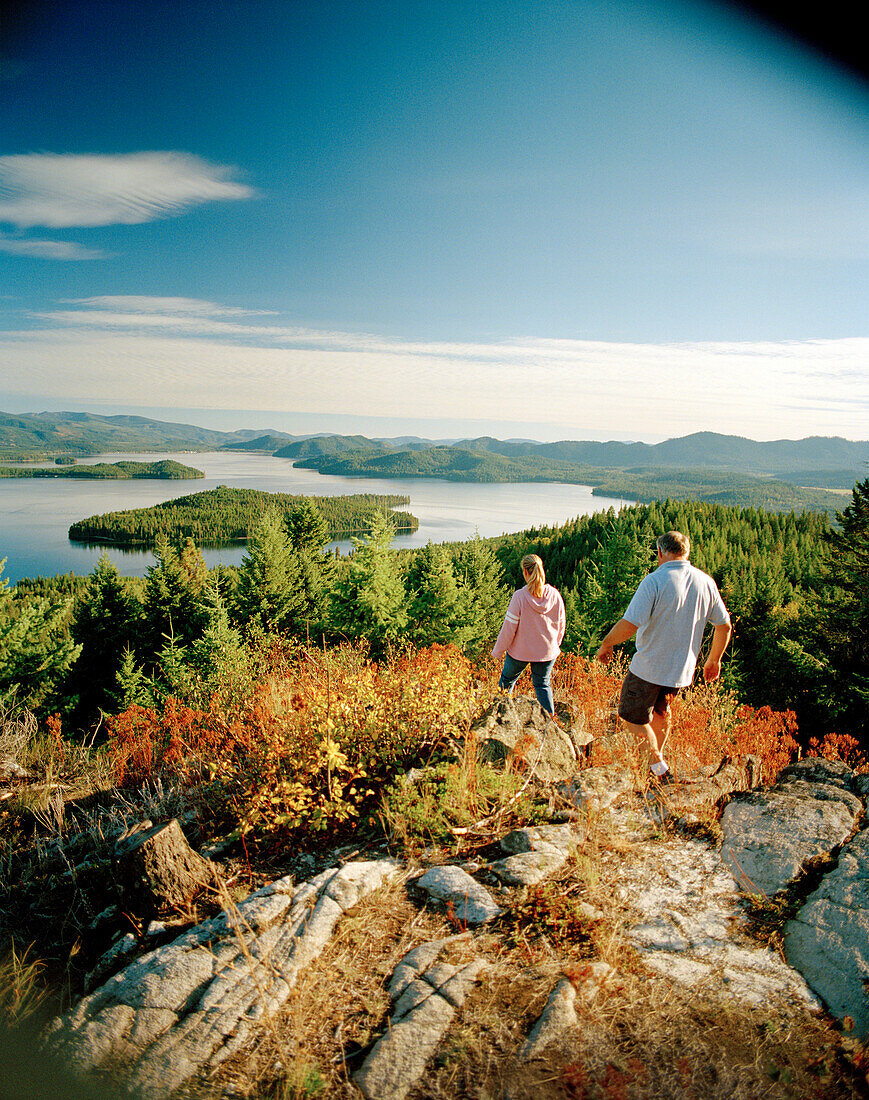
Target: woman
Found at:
532, 633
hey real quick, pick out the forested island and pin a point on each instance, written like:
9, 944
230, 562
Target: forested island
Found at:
165, 470
223, 515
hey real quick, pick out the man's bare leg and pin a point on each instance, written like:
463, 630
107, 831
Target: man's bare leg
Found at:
646, 734
661, 725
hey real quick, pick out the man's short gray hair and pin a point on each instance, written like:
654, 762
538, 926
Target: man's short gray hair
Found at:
674, 542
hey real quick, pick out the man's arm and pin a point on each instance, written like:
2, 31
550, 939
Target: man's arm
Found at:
621, 632
720, 638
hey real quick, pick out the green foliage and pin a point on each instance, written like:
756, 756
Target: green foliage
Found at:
436, 612
369, 600
105, 624
270, 595
173, 594
842, 618
448, 795
308, 533
610, 580
36, 650
482, 594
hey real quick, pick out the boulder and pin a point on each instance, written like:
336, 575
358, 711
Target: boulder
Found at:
519, 731
471, 903
427, 993
537, 853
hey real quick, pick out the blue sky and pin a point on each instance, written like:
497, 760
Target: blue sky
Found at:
559, 220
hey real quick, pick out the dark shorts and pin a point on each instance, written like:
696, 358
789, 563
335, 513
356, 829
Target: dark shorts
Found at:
639, 699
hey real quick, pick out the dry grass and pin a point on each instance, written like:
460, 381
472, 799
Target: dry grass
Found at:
337, 1009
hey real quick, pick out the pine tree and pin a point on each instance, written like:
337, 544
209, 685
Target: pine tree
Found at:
308, 535
173, 592
483, 598
132, 686
613, 574
106, 623
36, 650
218, 660
436, 612
369, 599
844, 615
269, 595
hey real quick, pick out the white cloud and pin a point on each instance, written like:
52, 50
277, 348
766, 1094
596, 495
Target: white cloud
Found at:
145, 303
181, 353
49, 189
50, 250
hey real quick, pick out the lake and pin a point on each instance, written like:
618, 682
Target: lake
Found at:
35, 513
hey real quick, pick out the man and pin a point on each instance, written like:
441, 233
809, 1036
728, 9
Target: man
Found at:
668, 613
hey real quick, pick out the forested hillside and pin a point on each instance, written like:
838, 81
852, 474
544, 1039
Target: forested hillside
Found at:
47, 435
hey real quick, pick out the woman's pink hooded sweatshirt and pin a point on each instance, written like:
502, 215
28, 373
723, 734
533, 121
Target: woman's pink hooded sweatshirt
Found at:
533, 627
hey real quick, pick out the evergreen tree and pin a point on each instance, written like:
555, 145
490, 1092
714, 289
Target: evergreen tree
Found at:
217, 659
132, 686
436, 611
173, 592
611, 579
844, 615
105, 624
269, 595
483, 598
308, 534
36, 650
369, 600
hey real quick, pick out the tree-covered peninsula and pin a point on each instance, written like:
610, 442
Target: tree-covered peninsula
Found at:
165, 470
224, 515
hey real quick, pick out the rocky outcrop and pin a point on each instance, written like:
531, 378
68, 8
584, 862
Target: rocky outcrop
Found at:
676, 901
537, 853
468, 902
191, 1004
771, 836
828, 940
427, 992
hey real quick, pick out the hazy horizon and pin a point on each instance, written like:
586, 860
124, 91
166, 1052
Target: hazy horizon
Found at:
375, 427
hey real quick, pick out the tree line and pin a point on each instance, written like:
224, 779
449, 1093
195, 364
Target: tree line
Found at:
797, 588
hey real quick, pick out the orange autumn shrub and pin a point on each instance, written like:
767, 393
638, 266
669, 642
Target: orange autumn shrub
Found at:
177, 741
840, 746
708, 723
315, 741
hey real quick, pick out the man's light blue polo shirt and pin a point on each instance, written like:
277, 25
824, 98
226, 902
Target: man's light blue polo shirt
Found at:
670, 609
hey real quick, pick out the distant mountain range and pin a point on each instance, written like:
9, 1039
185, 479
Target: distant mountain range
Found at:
705, 465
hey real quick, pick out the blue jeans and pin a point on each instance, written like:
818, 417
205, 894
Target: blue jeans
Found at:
541, 673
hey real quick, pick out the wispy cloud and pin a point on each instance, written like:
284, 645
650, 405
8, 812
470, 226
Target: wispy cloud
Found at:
146, 303
57, 191
50, 250
185, 353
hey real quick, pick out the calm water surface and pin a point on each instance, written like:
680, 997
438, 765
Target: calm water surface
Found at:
35, 514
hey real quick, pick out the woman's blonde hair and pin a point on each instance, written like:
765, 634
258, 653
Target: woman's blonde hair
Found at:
535, 575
